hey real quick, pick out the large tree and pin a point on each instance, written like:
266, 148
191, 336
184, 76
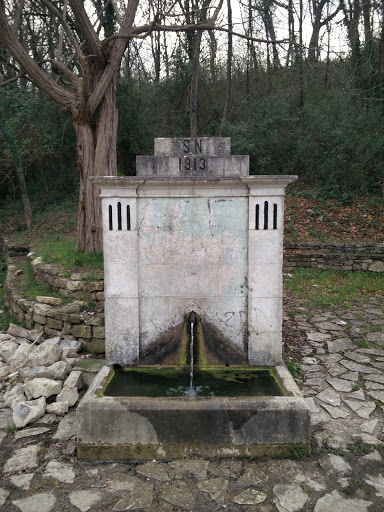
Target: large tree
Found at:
80, 76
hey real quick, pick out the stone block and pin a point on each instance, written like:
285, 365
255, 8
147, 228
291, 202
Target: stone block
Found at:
60, 283
212, 146
98, 319
54, 324
43, 309
193, 165
69, 395
74, 380
45, 354
98, 332
20, 356
211, 428
28, 321
67, 329
52, 301
70, 347
39, 387
26, 412
59, 408
7, 350
74, 286
100, 296
76, 277
82, 331
96, 345
96, 286
20, 332
73, 318
376, 266
51, 332
40, 319
75, 307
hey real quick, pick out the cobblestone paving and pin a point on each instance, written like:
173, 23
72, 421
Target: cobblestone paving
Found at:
343, 382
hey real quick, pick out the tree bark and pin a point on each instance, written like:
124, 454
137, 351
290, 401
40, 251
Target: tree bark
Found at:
91, 102
96, 150
193, 121
19, 172
228, 85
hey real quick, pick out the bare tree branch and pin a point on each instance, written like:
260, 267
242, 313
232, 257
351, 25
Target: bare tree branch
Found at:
61, 18
18, 14
88, 31
62, 68
14, 79
115, 56
137, 31
38, 76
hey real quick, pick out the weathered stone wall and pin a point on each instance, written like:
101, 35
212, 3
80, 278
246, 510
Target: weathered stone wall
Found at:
73, 321
76, 285
51, 315
334, 256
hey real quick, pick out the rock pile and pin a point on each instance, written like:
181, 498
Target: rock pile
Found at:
36, 375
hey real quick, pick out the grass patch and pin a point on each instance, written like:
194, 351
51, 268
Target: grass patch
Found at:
293, 367
31, 288
324, 288
65, 253
10, 429
5, 316
359, 448
53, 233
299, 451
362, 343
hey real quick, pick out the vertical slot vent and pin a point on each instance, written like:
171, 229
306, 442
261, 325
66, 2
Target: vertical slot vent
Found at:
128, 218
265, 214
110, 218
275, 216
119, 224
257, 218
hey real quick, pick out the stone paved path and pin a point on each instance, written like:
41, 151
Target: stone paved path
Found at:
343, 382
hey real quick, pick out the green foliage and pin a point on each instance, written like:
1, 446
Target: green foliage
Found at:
43, 139
324, 288
293, 367
65, 252
31, 287
299, 451
359, 448
10, 429
362, 343
5, 316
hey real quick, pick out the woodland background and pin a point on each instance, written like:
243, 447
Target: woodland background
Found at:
302, 92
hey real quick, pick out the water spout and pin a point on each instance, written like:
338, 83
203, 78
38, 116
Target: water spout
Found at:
192, 319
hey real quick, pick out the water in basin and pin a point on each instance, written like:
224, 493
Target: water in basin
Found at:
207, 382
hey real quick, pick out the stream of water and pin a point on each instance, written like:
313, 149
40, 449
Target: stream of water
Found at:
191, 391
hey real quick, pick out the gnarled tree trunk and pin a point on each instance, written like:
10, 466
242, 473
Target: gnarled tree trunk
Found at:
96, 150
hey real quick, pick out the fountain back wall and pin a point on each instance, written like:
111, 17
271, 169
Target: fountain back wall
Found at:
192, 241
193, 232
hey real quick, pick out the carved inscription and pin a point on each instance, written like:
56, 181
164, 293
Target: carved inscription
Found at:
192, 163
193, 146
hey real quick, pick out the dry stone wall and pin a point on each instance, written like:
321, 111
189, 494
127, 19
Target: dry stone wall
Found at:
52, 315
334, 256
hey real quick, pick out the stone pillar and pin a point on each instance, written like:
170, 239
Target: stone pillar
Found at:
121, 275
265, 260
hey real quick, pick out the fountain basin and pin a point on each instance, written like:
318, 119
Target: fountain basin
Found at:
142, 428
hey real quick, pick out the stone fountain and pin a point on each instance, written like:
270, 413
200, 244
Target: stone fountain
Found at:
193, 245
